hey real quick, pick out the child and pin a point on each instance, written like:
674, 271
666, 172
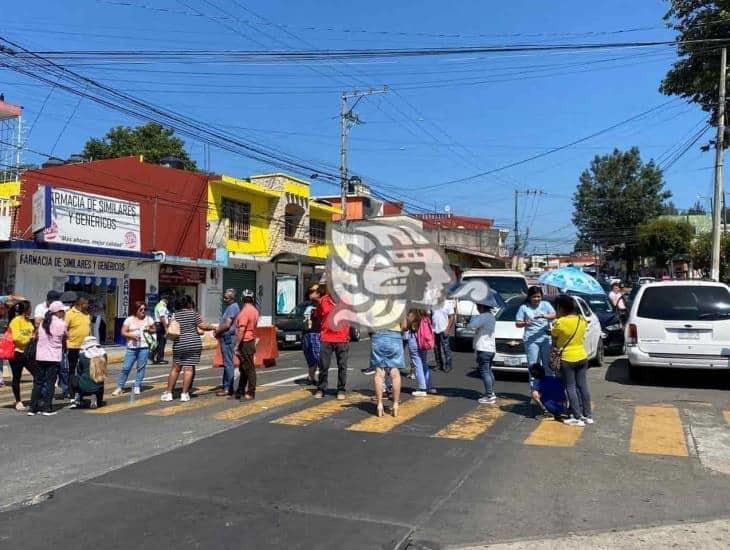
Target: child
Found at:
548, 392
92, 373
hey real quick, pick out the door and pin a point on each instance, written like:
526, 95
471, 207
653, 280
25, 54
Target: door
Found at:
239, 280
137, 289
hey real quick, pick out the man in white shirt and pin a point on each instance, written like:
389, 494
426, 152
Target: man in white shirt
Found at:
162, 317
442, 320
40, 310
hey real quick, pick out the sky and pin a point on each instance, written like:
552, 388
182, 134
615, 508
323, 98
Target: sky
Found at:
443, 119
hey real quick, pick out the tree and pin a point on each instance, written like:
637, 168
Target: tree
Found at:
702, 253
697, 209
152, 140
581, 245
664, 238
670, 209
614, 196
695, 75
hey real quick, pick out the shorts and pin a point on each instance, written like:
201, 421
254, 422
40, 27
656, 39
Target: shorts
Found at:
386, 350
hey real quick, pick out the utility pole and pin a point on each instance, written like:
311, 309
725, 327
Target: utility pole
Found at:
347, 120
516, 249
719, 150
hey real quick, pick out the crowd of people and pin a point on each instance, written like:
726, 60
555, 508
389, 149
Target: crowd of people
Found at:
54, 342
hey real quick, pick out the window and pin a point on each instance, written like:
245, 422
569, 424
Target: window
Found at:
292, 218
238, 215
685, 303
317, 231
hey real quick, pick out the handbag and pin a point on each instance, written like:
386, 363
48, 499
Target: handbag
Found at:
151, 340
7, 346
173, 329
29, 352
556, 355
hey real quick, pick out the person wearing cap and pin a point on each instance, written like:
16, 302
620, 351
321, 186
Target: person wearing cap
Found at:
246, 323
78, 322
226, 335
91, 374
311, 343
335, 340
49, 354
42, 307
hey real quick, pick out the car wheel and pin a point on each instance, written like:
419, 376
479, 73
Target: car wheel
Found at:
597, 360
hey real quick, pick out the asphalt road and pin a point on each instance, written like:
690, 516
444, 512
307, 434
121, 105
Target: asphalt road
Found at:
290, 472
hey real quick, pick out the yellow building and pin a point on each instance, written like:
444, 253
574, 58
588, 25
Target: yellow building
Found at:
276, 236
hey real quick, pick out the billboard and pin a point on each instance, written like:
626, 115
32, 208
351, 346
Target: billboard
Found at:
84, 219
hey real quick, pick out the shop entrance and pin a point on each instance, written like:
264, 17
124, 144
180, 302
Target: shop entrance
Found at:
177, 281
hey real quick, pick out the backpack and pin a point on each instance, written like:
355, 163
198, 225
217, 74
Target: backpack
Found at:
424, 334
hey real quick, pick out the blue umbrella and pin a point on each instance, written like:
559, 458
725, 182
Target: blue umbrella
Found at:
571, 279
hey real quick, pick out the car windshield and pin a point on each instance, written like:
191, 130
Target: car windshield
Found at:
505, 286
599, 303
509, 313
685, 303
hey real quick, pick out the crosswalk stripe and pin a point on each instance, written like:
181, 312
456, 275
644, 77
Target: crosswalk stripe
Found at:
320, 412
251, 408
550, 433
171, 409
406, 411
658, 431
137, 403
474, 423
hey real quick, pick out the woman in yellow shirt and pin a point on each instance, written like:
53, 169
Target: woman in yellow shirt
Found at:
22, 328
568, 333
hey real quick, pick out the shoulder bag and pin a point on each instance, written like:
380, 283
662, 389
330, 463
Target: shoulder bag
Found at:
556, 355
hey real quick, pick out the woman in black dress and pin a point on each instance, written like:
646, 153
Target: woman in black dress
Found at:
186, 349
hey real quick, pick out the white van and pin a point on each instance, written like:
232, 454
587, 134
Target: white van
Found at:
679, 324
507, 284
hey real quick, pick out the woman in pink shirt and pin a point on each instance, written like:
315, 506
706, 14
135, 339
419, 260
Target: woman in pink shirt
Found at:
48, 357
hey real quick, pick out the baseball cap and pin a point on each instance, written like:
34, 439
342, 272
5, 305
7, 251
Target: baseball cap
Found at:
247, 294
53, 295
57, 306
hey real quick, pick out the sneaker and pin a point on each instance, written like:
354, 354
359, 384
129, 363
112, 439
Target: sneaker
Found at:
30, 413
19, 406
74, 405
319, 394
341, 396
577, 422
368, 371
49, 413
93, 405
117, 392
419, 393
487, 400
166, 396
432, 391
587, 420
184, 397
136, 390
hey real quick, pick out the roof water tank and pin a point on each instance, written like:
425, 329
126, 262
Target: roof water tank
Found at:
172, 162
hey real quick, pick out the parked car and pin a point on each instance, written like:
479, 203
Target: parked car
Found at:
507, 284
289, 328
511, 354
613, 331
679, 324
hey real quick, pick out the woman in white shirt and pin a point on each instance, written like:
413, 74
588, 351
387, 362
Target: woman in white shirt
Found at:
484, 345
134, 329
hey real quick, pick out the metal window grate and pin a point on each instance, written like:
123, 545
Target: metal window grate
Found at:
317, 231
238, 215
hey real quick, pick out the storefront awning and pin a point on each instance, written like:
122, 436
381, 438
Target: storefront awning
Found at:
111, 282
291, 258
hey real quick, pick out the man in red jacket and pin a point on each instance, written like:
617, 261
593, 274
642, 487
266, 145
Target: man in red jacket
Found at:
334, 340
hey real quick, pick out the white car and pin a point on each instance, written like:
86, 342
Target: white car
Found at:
679, 324
511, 354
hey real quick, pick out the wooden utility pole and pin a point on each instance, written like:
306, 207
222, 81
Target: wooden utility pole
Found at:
719, 160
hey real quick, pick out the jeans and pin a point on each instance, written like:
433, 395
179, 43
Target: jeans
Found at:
247, 378
136, 355
159, 355
44, 378
419, 362
442, 351
73, 361
576, 385
312, 347
341, 351
62, 374
228, 344
538, 351
484, 363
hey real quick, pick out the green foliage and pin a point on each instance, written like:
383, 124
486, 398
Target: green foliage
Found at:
695, 75
614, 196
663, 238
669, 209
152, 140
702, 254
697, 209
581, 245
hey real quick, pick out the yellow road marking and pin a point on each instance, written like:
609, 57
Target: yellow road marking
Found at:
550, 433
320, 412
408, 410
474, 423
140, 401
196, 404
727, 416
251, 408
658, 431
